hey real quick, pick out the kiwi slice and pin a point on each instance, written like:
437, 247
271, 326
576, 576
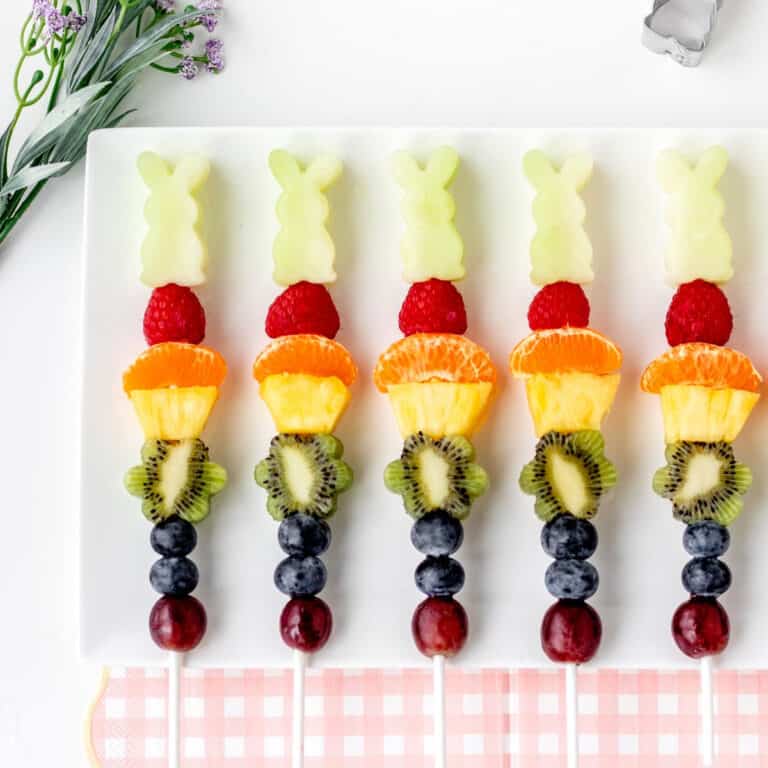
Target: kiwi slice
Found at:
436, 474
303, 473
568, 474
175, 478
704, 481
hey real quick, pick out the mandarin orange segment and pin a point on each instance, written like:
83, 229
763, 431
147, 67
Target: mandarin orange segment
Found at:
563, 350
424, 357
305, 353
175, 364
706, 365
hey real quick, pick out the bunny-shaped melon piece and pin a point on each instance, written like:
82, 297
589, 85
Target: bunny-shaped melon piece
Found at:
699, 246
431, 246
560, 249
173, 250
303, 248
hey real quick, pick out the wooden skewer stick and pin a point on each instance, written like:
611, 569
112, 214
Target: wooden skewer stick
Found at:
297, 731
175, 664
438, 697
707, 713
571, 716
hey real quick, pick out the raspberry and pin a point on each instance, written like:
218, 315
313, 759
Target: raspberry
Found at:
174, 313
699, 311
434, 306
303, 308
558, 305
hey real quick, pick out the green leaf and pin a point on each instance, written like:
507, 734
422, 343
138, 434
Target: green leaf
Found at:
152, 36
89, 54
141, 61
44, 136
32, 175
4, 139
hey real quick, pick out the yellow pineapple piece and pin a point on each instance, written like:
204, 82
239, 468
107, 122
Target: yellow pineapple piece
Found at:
569, 402
173, 413
704, 414
439, 408
304, 404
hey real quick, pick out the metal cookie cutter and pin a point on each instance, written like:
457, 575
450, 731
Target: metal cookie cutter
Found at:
684, 49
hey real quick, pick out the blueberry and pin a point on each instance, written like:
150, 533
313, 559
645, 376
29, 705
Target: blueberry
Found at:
566, 537
571, 579
303, 535
437, 533
439, 576
173, 576
300, 576
173, 537
706, 539
706, 577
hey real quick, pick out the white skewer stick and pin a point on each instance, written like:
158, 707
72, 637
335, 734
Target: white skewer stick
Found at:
571, 716
297, 733
707, 713
438, 703
175, 663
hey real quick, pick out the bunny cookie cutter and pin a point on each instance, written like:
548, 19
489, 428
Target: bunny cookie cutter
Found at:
684, 50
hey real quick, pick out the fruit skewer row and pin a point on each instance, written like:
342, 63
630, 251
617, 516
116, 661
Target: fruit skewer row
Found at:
571, 375
173, 386
707, 393
304, 378
439, 384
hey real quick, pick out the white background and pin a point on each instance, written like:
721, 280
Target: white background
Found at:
478, 62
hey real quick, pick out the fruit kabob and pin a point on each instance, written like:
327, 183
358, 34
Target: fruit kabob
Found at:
173, 386
304, 378
707, 392
439, 384
571, 375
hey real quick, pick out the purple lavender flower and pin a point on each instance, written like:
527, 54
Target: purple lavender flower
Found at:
166, 6
76, 21
40, 9
188, 69
55, 22
214, 52
210, 20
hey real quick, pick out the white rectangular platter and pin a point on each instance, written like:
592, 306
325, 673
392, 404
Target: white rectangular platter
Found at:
371, 561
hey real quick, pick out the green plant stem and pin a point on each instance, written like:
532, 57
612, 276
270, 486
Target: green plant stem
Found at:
12, 221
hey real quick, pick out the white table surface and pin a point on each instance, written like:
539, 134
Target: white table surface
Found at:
474, 62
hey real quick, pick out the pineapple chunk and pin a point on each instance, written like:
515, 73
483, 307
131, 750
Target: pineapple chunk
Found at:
569, 402
439, 408
703, 414
304, 404
173, 413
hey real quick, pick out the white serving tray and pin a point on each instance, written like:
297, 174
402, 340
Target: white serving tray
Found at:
371, 561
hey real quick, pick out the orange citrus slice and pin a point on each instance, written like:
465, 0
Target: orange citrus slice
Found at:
175, 364
424, 357
704, 364
305, 353
560, 350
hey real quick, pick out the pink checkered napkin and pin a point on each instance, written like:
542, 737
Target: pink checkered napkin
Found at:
382, 719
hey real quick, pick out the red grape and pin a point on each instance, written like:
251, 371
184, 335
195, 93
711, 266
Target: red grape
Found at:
700, 627
177, 623
440, 626
306, 623
571, 631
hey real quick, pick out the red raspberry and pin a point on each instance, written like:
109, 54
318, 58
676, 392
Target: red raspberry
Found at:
699, 311
434, 306
558, 305
174, 313
303, 308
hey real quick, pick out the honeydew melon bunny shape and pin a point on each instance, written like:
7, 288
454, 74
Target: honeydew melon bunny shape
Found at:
699, 247
173, 250
303, 248
560, 249
431, 246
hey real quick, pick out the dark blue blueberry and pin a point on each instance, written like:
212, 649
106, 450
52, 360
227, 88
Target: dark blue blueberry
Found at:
437, 533
706, 539
173, 576
173, 537
706, 577
439, 576
568, 537
300, 576
303, 535
571, 579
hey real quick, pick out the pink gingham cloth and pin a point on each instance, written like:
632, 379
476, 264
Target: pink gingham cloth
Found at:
382, 719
